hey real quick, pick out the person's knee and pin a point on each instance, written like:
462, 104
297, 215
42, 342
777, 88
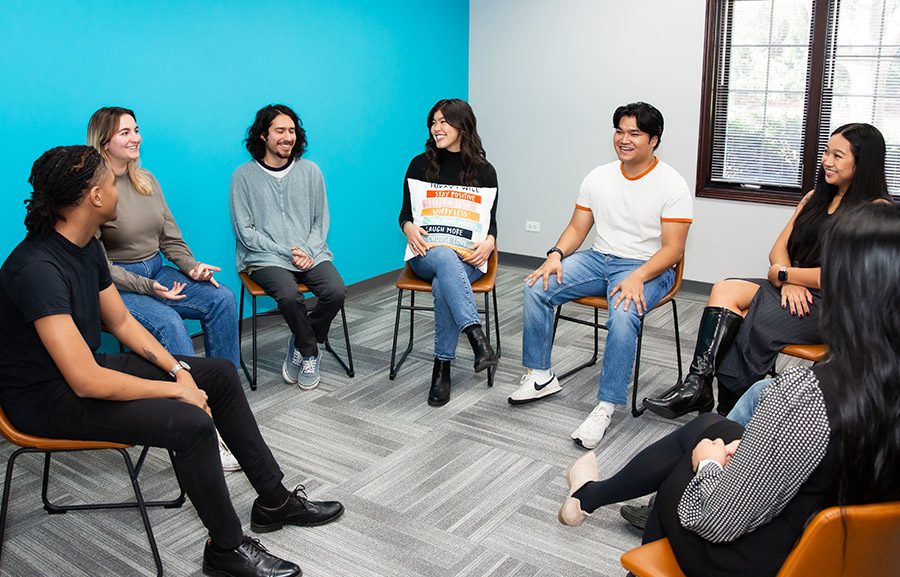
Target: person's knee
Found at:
194, 428
623, 318
334, 292
217, 377
724, 290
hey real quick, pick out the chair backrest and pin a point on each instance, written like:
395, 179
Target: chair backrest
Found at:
676, 286
17, 437
871, 547
488, 279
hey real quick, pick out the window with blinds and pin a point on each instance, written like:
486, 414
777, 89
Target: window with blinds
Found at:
779, 77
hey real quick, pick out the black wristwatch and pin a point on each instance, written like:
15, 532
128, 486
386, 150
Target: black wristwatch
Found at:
557, 250
782, 274
180, 365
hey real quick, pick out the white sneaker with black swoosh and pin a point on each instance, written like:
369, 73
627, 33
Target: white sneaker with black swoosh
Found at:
531, 390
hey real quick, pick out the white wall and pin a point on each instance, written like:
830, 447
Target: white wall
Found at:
544, 79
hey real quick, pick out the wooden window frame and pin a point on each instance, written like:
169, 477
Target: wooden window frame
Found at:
812, 135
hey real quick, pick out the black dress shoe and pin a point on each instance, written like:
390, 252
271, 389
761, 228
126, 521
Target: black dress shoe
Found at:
297, 510
485, 357
439, 393
637, 515
250, 559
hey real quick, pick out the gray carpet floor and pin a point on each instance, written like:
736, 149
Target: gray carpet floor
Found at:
470, 489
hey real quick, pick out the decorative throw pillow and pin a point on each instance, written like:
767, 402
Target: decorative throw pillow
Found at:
455, 216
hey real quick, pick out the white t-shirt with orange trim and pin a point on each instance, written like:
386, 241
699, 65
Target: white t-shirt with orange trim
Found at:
629, 212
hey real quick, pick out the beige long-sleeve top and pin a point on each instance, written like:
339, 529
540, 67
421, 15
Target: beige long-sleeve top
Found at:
143, 226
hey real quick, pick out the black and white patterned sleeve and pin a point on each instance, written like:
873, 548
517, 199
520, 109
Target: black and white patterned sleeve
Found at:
782, 445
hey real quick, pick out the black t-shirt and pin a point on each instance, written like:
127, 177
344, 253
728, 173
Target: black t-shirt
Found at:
43, 277
451, 165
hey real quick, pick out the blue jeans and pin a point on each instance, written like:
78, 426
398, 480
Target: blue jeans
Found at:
215, 308
745, 407
591, 273
454, 304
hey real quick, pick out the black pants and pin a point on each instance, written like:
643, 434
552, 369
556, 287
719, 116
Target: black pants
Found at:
655, 468
324, 281
184, 428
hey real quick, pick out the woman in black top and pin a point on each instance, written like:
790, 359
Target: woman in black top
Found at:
453, 156
748, 321
733, 502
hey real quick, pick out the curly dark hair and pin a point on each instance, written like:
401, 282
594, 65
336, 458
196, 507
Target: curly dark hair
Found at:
258, 131
459, 115
60, 178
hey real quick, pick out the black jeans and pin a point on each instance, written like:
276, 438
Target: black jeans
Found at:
185, 429
324, 281
653, 466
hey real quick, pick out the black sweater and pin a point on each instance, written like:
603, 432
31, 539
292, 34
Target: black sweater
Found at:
451, 166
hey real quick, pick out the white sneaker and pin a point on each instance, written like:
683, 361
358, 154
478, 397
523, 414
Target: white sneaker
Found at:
229, 463
591, 431
531, 390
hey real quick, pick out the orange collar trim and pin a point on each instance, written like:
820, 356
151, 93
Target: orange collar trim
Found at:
641, 175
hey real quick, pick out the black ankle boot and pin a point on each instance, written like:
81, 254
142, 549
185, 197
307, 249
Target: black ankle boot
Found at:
440, 384
718, 327
485, 357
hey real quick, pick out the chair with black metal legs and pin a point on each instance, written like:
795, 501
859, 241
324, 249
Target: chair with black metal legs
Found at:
600, 302
408, 281
251, 287
33, 444
814, 353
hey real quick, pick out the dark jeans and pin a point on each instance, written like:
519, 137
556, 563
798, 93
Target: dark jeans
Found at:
647, 471
185, 429
324, 281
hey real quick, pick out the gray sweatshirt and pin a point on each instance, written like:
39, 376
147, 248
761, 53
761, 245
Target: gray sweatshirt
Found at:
143, 227
270, 215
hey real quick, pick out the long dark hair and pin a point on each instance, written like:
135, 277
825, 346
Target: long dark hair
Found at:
459, 115
869, 183
60, 178
861, 324
256, 145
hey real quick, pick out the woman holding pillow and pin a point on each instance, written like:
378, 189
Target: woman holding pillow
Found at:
452, 177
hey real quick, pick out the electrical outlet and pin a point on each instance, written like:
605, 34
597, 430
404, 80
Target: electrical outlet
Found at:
532, 226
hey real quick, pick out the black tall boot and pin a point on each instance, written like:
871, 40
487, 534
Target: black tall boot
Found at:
485, 357
440, 384
718, 327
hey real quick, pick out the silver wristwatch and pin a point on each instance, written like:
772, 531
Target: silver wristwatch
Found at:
178, 366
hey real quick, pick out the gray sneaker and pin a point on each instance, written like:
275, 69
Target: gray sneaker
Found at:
291, 367
309, 372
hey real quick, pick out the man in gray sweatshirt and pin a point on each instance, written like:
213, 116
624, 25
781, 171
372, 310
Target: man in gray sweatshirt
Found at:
280, 217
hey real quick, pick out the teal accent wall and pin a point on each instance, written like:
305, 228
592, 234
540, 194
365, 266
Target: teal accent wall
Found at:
362, 75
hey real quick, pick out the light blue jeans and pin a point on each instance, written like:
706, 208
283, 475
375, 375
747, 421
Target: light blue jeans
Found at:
591, 273
454, 304
215, 308
745, 407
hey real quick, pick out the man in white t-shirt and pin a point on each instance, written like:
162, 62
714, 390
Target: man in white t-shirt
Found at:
642, 210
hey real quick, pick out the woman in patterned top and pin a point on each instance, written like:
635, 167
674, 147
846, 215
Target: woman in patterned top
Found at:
820, 437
